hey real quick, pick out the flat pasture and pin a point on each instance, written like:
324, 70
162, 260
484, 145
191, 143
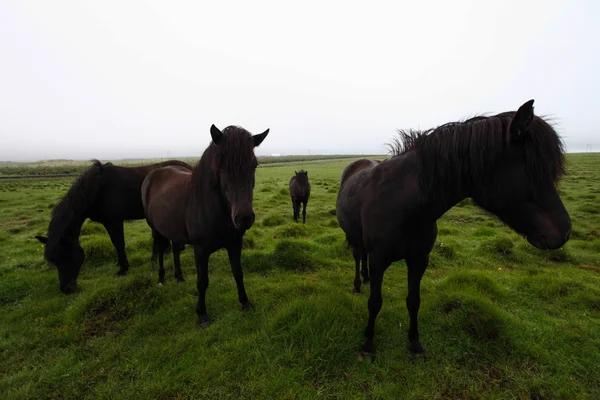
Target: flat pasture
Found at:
498, 319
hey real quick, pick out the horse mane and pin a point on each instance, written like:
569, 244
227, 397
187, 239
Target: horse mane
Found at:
468, 151
234, 153
72, 208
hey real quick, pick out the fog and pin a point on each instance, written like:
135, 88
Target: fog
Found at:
114, 79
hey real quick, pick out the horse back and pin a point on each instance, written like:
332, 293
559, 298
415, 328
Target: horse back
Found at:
356, 167
165, 194
120, 197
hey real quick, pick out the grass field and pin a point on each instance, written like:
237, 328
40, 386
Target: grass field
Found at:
498, 319
61, 167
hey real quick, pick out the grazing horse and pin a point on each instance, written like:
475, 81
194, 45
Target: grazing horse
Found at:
104, 193
509, 164
358, 167
209, 207
300, 192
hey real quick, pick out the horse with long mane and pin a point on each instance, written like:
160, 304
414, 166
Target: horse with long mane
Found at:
300, 193
358, 167
209, 207
104, 193
509, 164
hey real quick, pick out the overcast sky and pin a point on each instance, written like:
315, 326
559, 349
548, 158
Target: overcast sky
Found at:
117, 79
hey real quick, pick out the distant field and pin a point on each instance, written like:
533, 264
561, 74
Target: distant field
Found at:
61, 167
498, 319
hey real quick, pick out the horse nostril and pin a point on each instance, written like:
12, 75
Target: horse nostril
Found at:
244, 220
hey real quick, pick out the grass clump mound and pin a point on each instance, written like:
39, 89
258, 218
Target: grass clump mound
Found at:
14, 288
257, 261
291, 230
273, 220
98, 249
444, 249
501, 245
476, 316
590, 208
557, 255
294, 254
484, 231
92, 228
109, 309
332, 223
550, 288
471, 281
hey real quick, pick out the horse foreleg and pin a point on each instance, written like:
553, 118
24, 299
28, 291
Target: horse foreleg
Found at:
201, 258
234, 251
416, 268
117, 237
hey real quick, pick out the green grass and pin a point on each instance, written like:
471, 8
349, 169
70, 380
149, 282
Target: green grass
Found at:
52, 167
498, 318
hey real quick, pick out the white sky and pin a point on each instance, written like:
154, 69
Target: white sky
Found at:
116, 79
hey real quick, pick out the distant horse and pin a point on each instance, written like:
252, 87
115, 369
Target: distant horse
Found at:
508, 164
104, 193
209, 207
355, 168
300, 193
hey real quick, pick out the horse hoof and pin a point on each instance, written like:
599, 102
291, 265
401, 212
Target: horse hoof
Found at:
161, 282
180, 280
356, 290
247, 306
366, 356
417, 350
121, 273
205, 322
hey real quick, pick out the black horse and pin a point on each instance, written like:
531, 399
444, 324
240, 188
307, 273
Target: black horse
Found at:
508, 164
104, 193
209, 207
300, 193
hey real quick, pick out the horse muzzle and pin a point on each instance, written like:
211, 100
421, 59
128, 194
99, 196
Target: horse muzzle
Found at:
243, 221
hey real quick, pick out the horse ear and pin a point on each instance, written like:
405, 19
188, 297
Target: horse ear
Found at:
259, 138
42, 239
523, 117
216, 134
295, 172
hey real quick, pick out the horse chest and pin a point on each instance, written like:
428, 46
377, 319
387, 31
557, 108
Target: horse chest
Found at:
214, 234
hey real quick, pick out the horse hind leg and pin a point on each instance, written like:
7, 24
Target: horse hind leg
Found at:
365, 267
160, 245
357, 256
177, 248
296, 205
117, 237
304, 212
377, 268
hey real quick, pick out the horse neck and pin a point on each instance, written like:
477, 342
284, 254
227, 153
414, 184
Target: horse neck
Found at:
205, 188
67, 225
442, 188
